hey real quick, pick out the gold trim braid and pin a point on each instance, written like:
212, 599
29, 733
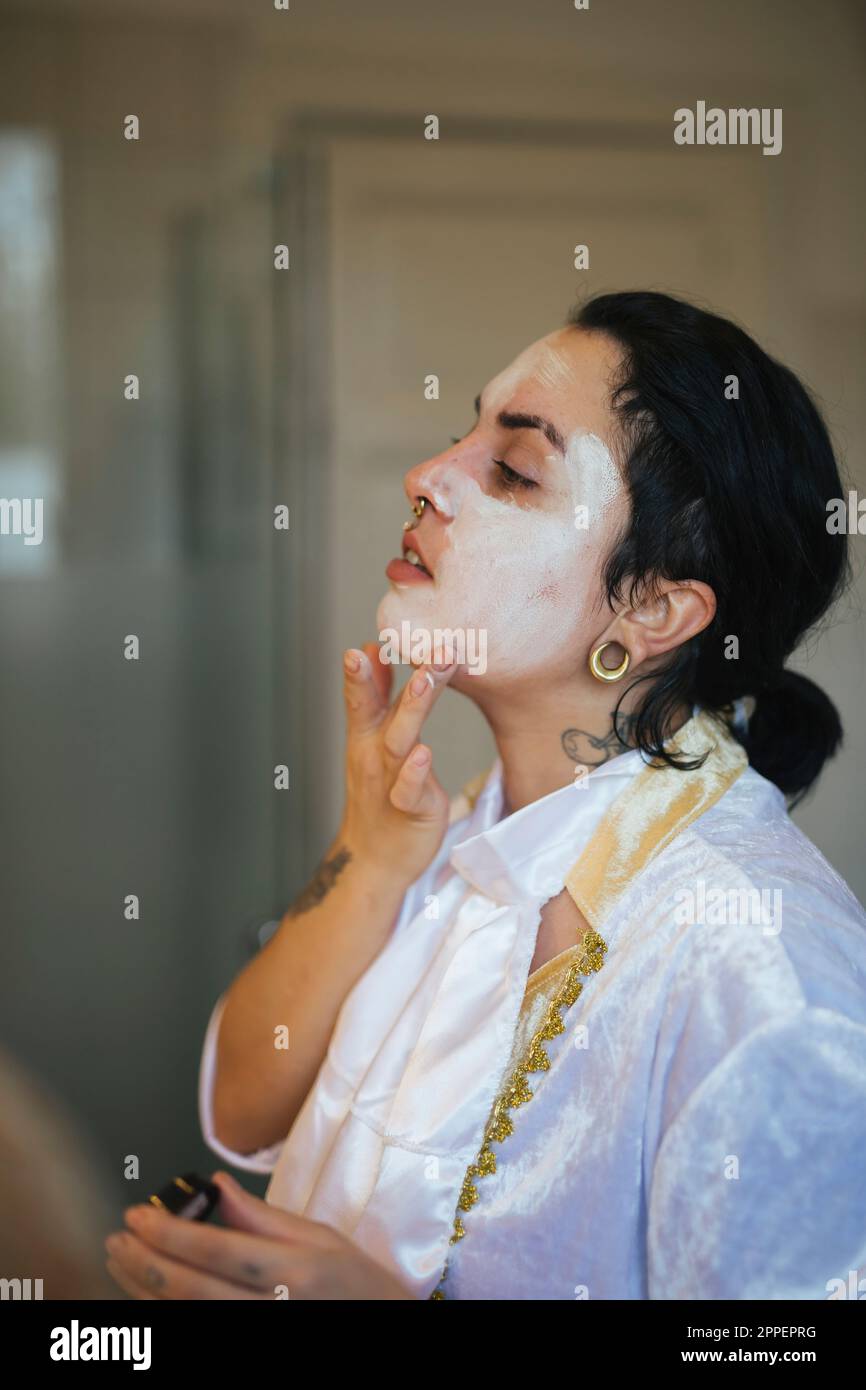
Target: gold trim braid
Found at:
517, 1090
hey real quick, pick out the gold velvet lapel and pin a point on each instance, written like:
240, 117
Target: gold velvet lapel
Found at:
654, 807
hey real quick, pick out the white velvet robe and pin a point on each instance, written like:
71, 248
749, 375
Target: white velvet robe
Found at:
699, 1130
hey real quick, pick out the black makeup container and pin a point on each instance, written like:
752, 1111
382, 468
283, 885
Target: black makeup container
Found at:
189, 1196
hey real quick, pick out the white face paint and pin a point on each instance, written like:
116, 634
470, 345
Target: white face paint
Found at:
516, 564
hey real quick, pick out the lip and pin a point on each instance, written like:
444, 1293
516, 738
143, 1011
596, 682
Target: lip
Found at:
411, 542
404, 572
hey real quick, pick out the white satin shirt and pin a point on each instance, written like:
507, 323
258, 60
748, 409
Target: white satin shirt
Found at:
699, 1130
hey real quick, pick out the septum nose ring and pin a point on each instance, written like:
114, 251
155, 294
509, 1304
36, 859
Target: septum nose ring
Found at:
418, 508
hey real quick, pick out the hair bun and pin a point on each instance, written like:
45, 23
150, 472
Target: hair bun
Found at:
793, 729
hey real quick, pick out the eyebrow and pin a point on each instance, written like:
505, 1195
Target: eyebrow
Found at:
517, 420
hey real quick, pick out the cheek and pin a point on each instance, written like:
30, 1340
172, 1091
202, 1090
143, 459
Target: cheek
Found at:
531, 592
528, 580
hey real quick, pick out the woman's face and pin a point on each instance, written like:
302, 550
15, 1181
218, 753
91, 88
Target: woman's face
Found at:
519, 518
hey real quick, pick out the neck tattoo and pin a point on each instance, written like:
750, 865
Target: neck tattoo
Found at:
590, 750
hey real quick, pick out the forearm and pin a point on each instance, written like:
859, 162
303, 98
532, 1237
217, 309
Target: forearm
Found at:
297, 983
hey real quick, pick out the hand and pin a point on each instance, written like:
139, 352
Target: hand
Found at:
396, 811
267, 1254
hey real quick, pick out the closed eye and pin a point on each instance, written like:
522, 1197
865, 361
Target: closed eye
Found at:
509, 479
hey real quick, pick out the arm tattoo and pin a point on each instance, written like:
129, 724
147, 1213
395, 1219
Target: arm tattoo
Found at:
578, 743
321, 883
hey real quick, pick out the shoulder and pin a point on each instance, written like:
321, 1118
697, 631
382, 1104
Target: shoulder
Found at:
751, 824
750, 942
745, 889
790, 891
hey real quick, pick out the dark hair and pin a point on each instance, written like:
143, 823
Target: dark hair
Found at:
733, 492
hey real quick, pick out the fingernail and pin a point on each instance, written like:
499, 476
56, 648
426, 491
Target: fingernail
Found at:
420, 756
421, 681
352, 661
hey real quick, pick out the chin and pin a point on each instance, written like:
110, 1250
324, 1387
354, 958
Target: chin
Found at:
388, 613
403, 605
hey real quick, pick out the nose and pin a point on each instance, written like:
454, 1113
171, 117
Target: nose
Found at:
439, 481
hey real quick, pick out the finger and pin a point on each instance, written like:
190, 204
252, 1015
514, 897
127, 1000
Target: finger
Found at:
417, 699
383, 671
263, 1263
416, 791
244, 1212
123, 1281
148, 1273
365, 707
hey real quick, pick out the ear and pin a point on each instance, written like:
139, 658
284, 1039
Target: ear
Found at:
680, 610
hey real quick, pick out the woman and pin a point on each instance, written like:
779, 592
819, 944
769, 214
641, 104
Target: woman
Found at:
597, 1029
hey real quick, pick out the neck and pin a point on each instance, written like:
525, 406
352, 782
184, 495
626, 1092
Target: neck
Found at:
545, 742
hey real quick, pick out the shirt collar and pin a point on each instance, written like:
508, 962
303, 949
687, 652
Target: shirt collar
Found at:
525, 856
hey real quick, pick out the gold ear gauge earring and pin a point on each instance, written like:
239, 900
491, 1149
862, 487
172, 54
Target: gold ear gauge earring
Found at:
605, 673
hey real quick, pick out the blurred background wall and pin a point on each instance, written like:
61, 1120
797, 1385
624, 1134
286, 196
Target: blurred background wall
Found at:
305, 387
